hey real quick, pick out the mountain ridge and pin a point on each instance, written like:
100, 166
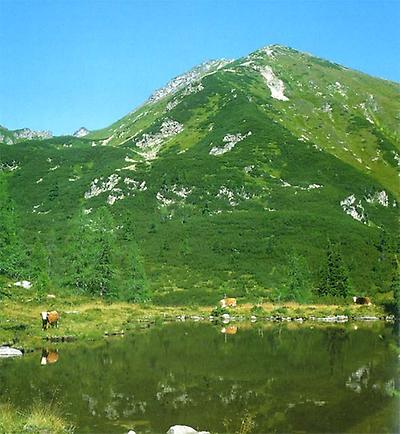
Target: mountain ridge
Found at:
228, 173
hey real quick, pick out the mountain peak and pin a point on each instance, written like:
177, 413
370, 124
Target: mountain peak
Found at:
188, 78
81, 132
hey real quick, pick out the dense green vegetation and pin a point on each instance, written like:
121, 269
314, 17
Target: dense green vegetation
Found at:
265, 219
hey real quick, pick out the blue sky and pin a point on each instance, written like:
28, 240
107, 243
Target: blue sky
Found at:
64, 64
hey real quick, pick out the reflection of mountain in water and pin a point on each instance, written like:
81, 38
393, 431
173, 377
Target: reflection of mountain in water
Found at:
280, 380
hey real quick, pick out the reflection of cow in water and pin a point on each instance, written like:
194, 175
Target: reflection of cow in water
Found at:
362, 300
230, 330
49, 357
50, 318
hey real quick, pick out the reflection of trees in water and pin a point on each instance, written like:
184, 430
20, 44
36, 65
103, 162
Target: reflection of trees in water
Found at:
336, 338
275, 338
187, 371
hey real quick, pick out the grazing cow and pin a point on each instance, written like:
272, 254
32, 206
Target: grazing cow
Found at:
49, 357
50, 318
228, 302
362, 300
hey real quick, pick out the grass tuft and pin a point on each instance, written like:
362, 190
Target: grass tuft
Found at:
40, 418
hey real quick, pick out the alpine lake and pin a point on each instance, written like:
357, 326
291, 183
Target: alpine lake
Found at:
258, 377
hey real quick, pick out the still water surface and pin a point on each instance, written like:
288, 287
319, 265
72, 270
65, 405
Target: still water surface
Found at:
279, 378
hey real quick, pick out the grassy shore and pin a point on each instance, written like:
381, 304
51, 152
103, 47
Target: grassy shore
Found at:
85, 318
41, 418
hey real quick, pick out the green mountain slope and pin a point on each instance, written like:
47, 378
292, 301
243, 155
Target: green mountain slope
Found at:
225, 174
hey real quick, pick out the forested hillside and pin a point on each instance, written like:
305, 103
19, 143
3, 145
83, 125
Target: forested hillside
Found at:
274, 176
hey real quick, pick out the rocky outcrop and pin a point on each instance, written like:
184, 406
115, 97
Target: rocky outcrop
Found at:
188, 79
11, 137
230, 140
99, 186
275, 85
6, 139
150, 144
353, 208
379, 197
28, 134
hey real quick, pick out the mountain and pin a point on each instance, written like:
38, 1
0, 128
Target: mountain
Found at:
10, 137
81, 132
227, 173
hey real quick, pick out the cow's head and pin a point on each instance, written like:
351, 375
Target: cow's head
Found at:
44, 315
354, 299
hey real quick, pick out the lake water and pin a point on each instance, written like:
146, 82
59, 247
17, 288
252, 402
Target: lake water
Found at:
277, 378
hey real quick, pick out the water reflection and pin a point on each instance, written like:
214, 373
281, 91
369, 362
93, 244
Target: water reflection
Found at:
230, 330
49, 357
276, 378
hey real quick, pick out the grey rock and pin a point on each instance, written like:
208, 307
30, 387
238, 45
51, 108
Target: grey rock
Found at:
328, 319
181, 429
184, 429
10, 352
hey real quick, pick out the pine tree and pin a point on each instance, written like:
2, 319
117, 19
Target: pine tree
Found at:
91, 250
298, 285
132, 282
104, 244
395, 285
79, 254
12, 251
40, 265
334, 279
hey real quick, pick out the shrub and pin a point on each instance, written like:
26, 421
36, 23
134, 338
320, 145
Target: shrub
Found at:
257, 310
219, 311
280, 311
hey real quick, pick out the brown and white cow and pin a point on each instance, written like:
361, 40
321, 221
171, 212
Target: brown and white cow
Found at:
362, 300
50, 318
49, 357
228, 302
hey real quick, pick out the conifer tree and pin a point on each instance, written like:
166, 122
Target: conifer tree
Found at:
133, 285
298, 285
40, 265
395, 285
104, 245
12, 250
90, 255
334, 279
